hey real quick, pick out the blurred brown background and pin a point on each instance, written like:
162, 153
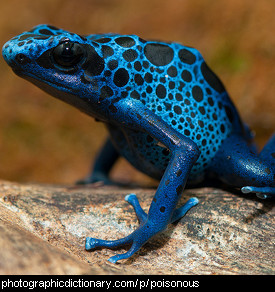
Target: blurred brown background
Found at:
45, 140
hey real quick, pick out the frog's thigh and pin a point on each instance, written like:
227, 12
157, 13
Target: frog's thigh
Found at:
268, 152
238, 166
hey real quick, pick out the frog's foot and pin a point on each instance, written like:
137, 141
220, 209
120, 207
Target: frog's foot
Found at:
142, 234
261, 192
96, 177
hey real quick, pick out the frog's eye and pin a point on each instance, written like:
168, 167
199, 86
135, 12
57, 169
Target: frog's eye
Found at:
68, 54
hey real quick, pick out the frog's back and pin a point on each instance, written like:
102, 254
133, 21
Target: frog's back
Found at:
176, 84
190, 98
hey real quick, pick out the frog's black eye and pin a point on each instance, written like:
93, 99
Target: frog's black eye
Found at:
68, 54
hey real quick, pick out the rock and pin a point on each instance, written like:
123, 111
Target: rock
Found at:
24, 253
43, 229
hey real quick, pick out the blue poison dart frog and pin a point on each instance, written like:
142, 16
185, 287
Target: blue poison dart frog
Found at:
166, 112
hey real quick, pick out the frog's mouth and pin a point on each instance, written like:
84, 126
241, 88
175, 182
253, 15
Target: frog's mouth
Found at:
69, 96
33, 79
55, 89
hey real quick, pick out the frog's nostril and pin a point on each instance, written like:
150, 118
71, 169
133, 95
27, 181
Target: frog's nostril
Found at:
22, 59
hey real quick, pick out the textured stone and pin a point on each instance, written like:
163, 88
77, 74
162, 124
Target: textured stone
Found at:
43, 229
24, 253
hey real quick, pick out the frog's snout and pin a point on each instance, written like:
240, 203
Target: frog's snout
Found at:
6, 50
15, 56
12, 55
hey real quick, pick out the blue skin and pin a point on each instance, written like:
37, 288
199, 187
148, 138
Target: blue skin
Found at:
167, 113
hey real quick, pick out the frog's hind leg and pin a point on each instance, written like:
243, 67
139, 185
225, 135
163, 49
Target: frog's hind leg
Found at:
268, 152
237, 165
104, 162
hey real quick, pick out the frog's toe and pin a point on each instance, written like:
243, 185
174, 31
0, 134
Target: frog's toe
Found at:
133, 200
92, 243
180, 212
139, 237
261, 192
135, 247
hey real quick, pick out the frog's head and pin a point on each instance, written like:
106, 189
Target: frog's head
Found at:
65, 65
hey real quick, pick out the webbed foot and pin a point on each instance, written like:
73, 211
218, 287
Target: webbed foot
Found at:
95, 178
142, 234
261, 192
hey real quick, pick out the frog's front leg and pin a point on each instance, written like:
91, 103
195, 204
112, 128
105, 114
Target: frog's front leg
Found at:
104, 161
163, 207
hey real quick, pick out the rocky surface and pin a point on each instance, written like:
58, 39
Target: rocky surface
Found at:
43, 229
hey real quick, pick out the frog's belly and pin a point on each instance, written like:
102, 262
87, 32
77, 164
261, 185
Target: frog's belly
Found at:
145, 154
